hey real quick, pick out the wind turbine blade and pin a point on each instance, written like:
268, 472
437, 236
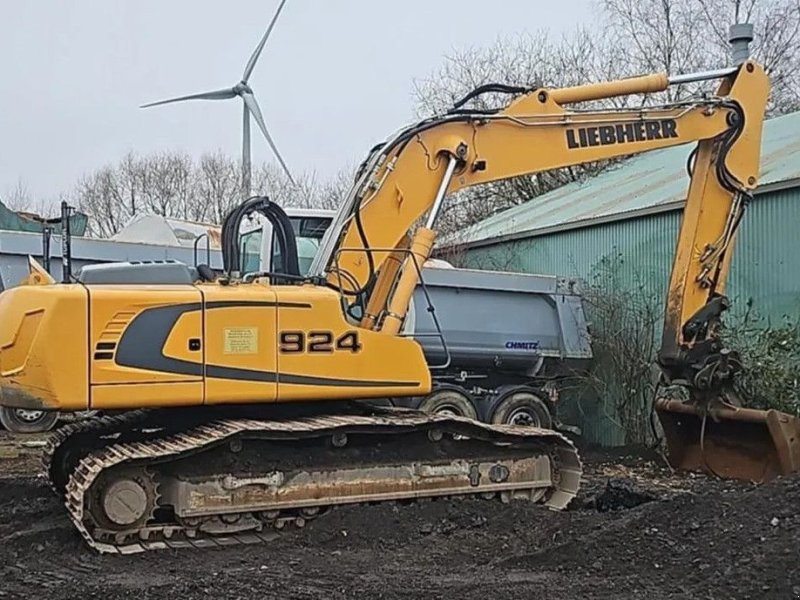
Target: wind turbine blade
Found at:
225, 94
252, 106
251, 64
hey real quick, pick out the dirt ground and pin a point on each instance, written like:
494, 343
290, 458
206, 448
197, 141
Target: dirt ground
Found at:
635, 531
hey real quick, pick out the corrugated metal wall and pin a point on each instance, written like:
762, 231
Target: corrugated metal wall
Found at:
766, 264
12, 221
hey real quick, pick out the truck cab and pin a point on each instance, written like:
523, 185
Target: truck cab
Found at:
260, 249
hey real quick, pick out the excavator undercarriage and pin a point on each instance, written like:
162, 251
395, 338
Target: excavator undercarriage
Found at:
144, 481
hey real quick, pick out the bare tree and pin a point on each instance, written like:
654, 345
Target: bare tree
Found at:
528, 60
171, 184
333, 191
102, 197
165, 182
659, 36
624, 316
633, 37
21, 199
776, 42
309, 191
217, 188
273, 183
679, 36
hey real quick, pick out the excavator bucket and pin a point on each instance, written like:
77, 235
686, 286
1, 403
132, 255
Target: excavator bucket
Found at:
730, 442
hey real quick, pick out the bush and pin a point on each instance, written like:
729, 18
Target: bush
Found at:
771, 360
624, 318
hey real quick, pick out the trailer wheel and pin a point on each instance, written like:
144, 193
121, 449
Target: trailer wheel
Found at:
449, 402
523, 408
21, 420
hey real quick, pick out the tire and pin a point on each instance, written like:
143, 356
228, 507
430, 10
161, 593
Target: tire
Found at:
449, 401
20, 420
523, 408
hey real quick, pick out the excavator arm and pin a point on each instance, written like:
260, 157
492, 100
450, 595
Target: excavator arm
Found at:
411, 174
378, 242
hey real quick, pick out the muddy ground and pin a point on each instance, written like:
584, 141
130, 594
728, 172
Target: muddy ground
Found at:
635, 531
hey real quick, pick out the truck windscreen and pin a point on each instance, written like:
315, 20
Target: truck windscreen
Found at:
308, 232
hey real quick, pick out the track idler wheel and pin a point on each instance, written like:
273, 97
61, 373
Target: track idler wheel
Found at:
127, 501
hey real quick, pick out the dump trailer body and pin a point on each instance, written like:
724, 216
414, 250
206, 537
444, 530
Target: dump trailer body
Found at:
498, 343
493, 321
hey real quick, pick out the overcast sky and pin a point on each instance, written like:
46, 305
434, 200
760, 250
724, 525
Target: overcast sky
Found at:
335, 77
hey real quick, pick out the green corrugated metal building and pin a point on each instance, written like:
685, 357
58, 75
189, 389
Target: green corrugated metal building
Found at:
633, 211
19, 221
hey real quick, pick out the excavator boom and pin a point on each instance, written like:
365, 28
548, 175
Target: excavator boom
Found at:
535, 133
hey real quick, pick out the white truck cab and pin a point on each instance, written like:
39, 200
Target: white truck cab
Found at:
260, 250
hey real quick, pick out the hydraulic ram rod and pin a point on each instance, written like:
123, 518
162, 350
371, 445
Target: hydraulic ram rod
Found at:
702, 75
644, 84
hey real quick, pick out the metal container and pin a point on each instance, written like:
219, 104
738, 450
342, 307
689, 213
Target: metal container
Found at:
528, 324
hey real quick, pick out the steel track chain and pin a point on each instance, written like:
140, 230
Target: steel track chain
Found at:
157, 537
97, 426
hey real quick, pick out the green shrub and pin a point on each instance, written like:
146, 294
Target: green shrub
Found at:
771, 360
624, 316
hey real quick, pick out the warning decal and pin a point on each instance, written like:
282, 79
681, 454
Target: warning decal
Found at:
241, 340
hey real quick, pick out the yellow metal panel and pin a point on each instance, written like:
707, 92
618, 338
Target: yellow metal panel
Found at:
43, 347
15, 353
335, 359
115, 310
187, 327
146, 395
240, 346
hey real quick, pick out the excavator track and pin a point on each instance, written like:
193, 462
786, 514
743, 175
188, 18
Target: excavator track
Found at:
237, 481
66, 446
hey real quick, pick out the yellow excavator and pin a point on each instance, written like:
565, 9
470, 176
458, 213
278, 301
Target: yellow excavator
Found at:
242, 403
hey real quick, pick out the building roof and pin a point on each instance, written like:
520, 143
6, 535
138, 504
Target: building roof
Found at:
155, 229
168, 231
652, 182
11, 220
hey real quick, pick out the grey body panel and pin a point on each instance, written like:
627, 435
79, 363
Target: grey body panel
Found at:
502, 321
15, 247
138, 273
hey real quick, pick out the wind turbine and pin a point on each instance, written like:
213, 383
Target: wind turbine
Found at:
249, 107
